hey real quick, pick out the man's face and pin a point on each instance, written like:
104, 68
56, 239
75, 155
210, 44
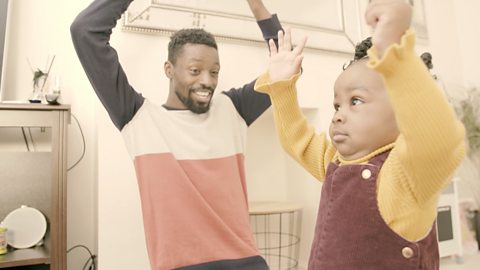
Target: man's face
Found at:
193, 77
364, 119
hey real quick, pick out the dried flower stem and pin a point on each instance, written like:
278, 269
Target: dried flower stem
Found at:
48, 73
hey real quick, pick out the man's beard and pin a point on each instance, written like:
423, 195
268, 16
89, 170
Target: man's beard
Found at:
191, 104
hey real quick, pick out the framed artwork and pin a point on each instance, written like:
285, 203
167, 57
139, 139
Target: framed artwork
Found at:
331, 25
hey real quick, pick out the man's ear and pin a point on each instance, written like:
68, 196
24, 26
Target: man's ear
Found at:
168, 67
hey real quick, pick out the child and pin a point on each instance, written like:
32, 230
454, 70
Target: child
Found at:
394, 145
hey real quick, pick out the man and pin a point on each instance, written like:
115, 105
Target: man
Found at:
189, 152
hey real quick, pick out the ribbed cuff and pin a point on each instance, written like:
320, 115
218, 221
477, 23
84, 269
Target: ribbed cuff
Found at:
283, 94
394, 54
263, 84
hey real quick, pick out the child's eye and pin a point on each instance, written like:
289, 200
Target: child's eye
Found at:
356, 101
336, 107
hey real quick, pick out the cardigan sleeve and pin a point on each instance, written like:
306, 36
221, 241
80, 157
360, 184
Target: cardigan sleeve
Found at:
298, 138
431, 142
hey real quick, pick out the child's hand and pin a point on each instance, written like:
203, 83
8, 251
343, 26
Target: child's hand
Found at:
389, 20
285, 62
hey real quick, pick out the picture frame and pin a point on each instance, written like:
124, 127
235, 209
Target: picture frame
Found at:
331, 25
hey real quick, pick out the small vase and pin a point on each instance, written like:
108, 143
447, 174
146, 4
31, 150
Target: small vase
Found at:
38, 95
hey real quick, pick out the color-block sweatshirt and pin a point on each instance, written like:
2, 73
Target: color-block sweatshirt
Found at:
423, 157
189, 167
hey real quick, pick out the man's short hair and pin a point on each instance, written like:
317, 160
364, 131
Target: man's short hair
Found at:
188, 36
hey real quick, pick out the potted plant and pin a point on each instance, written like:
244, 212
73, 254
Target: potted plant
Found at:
468, 111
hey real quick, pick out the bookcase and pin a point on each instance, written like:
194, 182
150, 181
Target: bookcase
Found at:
33, 172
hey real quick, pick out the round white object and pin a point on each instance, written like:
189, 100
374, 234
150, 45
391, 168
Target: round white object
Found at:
26, 227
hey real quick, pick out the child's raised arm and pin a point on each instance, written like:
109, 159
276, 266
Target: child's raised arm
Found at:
430, 145
296, 135
389, 20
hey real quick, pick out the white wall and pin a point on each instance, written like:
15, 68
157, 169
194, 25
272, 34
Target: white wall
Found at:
42, 28
468, 36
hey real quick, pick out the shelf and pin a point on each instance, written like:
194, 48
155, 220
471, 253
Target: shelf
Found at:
36, 179
21, 257
32, 106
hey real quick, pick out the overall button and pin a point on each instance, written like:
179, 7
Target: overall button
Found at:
407, 252
366, 174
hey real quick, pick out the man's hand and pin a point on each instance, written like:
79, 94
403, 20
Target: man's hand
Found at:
285, 62
389, 20
259, 11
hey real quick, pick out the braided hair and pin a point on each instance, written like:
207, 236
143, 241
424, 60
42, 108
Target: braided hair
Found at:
361, 52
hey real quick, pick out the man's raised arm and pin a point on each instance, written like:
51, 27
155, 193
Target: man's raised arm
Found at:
91, 32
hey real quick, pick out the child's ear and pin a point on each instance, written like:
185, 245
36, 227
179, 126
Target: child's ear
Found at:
168, 68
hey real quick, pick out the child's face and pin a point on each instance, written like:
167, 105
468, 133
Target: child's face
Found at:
364, 120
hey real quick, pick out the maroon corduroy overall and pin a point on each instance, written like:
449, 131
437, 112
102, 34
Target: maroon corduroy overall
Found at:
351, 234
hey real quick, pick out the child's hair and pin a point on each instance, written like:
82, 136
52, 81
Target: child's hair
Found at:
362, 48
427, 59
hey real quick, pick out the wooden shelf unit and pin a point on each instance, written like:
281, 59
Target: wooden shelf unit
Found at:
23, 257
36, 179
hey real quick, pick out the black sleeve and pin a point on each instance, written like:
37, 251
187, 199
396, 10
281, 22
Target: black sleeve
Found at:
91, 32
249, 103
